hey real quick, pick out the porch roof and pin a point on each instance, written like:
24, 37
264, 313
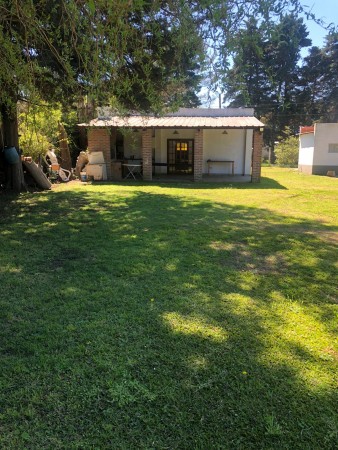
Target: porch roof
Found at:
184, 118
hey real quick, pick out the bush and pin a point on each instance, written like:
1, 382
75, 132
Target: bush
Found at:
38, 128
286, 152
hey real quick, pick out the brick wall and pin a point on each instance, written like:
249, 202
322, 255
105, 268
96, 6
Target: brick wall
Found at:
147, 141
198, 155
99, 141
257, 145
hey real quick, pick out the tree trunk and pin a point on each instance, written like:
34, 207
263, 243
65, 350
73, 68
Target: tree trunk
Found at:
14, 172
66, 161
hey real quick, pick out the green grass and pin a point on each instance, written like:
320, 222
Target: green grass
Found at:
154, 316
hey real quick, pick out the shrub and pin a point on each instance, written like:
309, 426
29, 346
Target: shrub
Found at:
286, 152
38, 128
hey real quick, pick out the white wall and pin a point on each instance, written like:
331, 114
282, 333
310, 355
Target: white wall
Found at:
306, 144
235, 146
325, 134
216, 146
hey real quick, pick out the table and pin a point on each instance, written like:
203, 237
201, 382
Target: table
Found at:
221, 161
133, 169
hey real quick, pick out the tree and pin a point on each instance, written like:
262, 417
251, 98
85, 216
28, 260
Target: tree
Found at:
38, 127
319, 82
136, 54
143, 54
265, 72
246, 81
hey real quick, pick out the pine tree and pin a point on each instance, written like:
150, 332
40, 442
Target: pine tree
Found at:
265, 72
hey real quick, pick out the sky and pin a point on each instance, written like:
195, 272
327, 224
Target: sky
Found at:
327, 10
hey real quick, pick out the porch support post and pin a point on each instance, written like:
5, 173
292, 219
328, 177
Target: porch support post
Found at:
147, 154
99, 141
257, 145
198, 155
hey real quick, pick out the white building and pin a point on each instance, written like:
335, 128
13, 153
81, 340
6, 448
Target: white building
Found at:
318, 149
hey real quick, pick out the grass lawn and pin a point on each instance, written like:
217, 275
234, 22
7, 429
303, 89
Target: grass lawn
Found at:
170, 316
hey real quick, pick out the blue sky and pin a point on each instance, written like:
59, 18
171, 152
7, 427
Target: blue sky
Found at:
327, 10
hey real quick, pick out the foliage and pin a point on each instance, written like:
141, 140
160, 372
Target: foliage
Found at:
319, 82
268, 75
287, 152
265, 73
138, 52
142, 54
38, 128
197, 316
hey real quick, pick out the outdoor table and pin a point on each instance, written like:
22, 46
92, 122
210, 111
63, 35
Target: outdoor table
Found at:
232, 163
132, 170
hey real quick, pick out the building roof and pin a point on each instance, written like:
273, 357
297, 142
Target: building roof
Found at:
306, 130
183, 118
212, 112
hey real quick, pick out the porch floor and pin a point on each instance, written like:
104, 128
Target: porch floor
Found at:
164, 178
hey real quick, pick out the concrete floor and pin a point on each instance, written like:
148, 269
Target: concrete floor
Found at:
163, 178
227, 178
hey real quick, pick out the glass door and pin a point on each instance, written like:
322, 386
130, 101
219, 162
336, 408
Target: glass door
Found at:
180, 156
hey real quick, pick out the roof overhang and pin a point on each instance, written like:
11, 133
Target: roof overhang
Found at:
306, 130
175, 122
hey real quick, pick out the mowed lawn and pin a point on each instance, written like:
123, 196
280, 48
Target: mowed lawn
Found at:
170, 316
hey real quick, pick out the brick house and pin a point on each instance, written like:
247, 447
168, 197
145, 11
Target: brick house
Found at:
196, 142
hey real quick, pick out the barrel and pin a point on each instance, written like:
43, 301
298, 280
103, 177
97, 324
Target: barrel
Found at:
11, 155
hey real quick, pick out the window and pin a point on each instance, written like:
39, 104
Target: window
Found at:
333, 148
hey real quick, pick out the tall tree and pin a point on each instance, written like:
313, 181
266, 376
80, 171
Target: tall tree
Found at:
137, 54
140, 54
265, 72
319, 82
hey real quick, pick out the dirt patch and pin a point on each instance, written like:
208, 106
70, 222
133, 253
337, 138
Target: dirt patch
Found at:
331, 237
330, 351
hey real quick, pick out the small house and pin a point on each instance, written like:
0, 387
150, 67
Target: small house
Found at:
198, 143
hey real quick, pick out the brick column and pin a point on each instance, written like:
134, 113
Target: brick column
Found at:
147, 154
198, 155
99, 141
257, 145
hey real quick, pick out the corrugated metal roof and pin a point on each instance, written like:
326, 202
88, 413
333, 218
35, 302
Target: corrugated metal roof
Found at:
307, 130
176, 122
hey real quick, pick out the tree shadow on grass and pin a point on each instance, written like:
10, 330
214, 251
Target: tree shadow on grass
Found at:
266, 183
134, 320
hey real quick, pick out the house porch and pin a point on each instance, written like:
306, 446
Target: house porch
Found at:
201, 154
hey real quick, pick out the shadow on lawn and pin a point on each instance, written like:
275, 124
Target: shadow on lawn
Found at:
149, 321
266, 183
